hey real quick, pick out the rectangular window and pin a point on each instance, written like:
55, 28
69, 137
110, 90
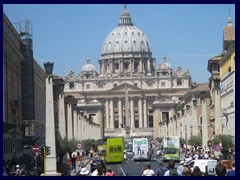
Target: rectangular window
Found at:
150, 121
126, 66
135, 84
87, 86
100, 85
163, 84
71, 85
179, 82
116, 66
165, 116
115, 85
136, 123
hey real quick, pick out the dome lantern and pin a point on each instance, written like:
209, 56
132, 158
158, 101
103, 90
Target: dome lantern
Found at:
125, 18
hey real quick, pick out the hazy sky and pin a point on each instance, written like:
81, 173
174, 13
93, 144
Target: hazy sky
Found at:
188, 35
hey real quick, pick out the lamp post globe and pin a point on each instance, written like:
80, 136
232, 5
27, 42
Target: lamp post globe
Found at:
48, 68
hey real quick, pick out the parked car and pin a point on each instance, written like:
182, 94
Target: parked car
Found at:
207, 166
129, 153
95, 162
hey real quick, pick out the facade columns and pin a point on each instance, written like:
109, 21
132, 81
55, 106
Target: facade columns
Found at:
107, 114
120, 124
145, 112
141, 65
217, 109
195, 119
112, 114
148, 66
156, 121
121, 65
69, 122
75, 125
204, 124
62, 122
132, 112
81, 128
100, 67
101, 128
127, 108
132, 66
140, 112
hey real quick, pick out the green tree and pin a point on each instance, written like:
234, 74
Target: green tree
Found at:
195, 140
87, 143
159, 139
226, 140
182, 141
68, 146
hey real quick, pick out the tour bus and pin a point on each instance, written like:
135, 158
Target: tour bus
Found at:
102, 151
140, 149
171, 148
114, 150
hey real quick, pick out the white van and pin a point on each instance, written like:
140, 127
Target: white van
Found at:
207, 166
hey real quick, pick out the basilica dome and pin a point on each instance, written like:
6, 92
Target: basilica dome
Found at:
88, 67
164, 65
126, 38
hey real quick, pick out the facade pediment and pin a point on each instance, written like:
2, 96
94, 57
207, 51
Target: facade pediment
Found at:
122, 87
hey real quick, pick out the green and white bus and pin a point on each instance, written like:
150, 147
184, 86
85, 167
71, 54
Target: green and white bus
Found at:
171, 148
114, 150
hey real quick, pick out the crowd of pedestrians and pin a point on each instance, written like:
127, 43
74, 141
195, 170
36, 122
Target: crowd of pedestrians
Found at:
184, 170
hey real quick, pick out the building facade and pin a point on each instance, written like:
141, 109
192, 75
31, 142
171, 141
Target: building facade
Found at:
129, 85
12, 121
227, 75
24, 92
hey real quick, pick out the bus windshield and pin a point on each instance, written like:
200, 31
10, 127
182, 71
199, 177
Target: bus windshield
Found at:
171, 151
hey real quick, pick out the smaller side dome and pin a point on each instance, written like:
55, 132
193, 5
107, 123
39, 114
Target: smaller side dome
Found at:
164, 65
88, 70
88, 67
164, 68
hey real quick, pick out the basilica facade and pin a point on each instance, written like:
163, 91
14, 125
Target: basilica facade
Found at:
129, 94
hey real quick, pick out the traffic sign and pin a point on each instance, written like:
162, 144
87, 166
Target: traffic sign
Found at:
79, 145
217, 148
35, 148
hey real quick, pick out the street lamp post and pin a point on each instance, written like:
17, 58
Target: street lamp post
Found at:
51, 161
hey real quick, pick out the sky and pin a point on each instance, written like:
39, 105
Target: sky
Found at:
187, 34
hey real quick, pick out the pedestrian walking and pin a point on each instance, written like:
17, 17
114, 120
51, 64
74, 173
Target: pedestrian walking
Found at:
231, 172
196, 171
160, 170
220, 170
98, 171
74, 163
172, 171
84, 172
185, 172
148, 171
180, 167
185, 164
109, 172
78, 159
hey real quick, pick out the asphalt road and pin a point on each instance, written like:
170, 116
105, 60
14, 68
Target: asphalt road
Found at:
132, 168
